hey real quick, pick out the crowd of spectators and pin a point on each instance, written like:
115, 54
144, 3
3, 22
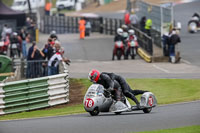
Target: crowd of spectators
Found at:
132, 20
15, 40
45, 61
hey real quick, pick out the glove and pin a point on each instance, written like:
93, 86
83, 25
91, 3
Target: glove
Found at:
110, 89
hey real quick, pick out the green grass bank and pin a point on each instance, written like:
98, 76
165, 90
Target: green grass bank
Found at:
167, 91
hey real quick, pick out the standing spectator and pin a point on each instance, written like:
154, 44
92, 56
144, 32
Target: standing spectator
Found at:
28, 22
48, 8
55, 59
142, 23
127, 18
48, 53
37, 56
174, 39
29, 71
148, 25
82, 28
20, 45
134, 19
88, 28
23, 36
34, 61
165, 42
53, 35
14, 46
4, 30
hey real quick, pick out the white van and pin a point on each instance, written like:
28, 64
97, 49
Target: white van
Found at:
65, 4
22, 5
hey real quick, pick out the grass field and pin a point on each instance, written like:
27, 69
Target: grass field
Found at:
188, 129
167, 91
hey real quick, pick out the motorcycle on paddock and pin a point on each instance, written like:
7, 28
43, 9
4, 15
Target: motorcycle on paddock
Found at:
118, 50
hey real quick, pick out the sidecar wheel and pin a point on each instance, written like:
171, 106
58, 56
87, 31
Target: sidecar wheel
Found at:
118, 113
147, 110
95, 112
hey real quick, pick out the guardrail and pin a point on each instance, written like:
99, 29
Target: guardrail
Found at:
31, 94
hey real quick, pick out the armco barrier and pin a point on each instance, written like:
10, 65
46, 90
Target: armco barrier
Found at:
33, 94
144, 55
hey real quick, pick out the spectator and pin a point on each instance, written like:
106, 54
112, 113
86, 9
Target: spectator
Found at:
4, 30
88, 28
34, 62
37, 56
53, 35
148, 26
23, 36
20, 44
127, 18
29, 71
54, 60
82, 28
28, 22
14, 47
165, 42
174, 39
48, 53
142, 23
48, 8
134, 19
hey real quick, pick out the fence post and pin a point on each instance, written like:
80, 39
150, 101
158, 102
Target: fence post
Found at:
22, 68
101, 25
106, 25
111, 26
77, 25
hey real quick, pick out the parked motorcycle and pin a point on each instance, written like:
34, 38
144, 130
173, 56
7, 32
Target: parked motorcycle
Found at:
118, 50
97, 100
131, 49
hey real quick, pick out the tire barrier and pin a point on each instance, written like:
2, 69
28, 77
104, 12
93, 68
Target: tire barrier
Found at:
31, 94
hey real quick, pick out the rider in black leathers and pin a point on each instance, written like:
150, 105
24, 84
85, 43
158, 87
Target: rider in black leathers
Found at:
111, 85
108, 79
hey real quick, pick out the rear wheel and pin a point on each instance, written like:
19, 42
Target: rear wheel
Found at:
147, 110
95, 112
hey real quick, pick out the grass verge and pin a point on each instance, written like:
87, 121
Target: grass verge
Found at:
167, 91
188, 129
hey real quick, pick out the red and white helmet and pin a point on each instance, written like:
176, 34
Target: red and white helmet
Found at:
94, 75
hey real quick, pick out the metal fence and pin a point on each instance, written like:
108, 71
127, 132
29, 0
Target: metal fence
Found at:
34, 68
66, 24
144, 41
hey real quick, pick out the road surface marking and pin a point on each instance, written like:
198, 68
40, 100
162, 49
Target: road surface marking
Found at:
162, 69
185, 61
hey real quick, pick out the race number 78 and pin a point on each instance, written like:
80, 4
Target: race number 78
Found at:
89, 102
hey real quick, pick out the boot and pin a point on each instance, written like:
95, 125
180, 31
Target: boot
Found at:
136, 101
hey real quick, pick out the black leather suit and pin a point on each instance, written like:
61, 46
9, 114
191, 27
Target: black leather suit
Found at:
109, 78
111, 85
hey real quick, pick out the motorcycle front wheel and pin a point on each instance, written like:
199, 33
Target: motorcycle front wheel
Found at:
147, 110
119, 54
95, 112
